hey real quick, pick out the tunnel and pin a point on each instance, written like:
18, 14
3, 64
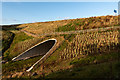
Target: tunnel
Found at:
38, 50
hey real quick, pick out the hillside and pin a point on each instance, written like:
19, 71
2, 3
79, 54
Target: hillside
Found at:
74, 54
69, 25
7, 38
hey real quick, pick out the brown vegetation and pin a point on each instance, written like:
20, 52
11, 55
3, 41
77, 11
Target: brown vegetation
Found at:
71, 24
89, 44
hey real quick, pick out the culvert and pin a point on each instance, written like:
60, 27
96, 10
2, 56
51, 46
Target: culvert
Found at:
38, 50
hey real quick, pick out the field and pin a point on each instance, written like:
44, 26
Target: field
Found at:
82, 55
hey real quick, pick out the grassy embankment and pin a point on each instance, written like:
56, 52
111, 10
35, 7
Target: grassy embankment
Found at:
106, 50
19, 45
61, 56
97, 65
71, 24
14, 47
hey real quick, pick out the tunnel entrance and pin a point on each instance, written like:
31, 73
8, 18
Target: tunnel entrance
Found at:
37, 50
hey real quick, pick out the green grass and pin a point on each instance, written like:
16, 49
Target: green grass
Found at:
19, 37
106, 66
107, 70
18, 65
67, 27
71, 37
119, 30
103, 70
95, 59
57, 53
89, 66
68, 37
7, 38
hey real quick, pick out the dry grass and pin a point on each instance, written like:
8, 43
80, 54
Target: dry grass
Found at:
43, 27
73, 48
94, 43
81, 45
71, 24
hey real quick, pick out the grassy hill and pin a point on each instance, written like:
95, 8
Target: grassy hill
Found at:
71, 24
78, 55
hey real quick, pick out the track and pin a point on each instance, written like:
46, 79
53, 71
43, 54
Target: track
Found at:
72, 32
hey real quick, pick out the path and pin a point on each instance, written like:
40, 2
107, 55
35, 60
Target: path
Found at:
28, 33
72, 32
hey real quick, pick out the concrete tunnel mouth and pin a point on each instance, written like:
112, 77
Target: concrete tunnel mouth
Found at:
39, 49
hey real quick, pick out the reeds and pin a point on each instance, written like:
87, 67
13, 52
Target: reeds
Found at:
87, 44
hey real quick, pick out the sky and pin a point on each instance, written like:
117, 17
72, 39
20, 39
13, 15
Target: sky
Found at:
30, 12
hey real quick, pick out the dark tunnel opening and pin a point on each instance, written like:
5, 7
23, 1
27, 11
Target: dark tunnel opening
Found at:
38, 50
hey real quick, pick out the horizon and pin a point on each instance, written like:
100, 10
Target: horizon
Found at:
48, 21
32, 12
